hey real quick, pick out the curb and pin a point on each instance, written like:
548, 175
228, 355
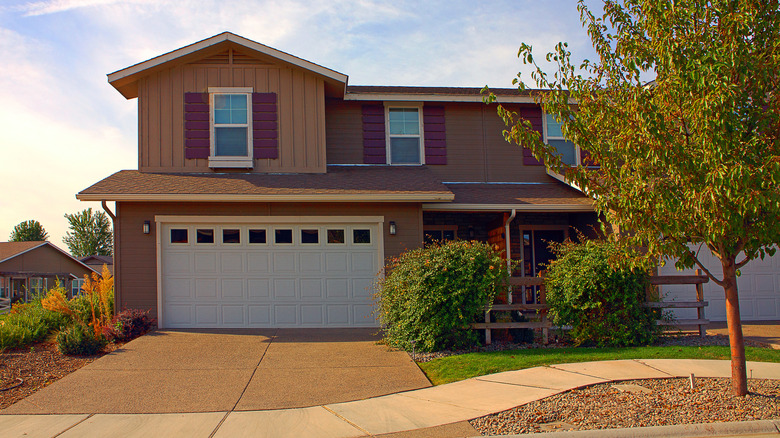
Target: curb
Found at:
683, 430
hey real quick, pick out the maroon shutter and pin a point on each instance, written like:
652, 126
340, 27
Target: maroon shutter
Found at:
435, 135
374, 142
265, 131
534, 115
196, 125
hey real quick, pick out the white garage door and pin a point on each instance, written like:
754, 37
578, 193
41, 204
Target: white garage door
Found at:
268, 274
759, 290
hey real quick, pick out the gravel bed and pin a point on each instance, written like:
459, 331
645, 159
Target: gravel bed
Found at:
688, 340
668, 402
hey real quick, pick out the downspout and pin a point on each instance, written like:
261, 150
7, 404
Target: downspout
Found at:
115, 256
507, 240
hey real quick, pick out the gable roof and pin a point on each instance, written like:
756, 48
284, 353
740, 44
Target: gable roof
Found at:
10, 250
339, 184
97, 259
125, 80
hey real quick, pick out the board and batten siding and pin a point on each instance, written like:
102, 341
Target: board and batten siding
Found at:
137, 266
475, 147
301, 112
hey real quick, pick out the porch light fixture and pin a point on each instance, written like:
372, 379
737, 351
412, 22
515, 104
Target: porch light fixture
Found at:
147, 227
392, 228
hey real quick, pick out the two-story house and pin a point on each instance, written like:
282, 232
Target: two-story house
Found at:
269, 192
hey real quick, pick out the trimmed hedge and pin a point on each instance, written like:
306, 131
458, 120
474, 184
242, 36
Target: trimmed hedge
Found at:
589, 289
431, 295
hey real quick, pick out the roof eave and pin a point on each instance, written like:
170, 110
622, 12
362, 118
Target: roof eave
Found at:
528, 208
351, 197
432, 97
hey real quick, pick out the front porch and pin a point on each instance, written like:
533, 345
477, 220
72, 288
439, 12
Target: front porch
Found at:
529, 235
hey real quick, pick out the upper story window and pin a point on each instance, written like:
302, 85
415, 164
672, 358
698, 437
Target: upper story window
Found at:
231, 127
404, 135
553, 135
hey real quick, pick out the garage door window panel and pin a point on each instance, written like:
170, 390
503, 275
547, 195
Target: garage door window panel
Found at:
257, 236
336, 237
283, 236
361, 237
205, 235
310, 237
231, 236
179, 236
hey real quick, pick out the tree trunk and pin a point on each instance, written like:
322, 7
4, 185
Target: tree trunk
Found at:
738, 368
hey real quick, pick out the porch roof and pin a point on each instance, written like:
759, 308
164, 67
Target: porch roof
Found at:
527, 196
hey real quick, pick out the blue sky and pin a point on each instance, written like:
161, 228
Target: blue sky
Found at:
64, 128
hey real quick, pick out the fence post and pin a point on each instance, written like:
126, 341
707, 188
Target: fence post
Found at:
488, 340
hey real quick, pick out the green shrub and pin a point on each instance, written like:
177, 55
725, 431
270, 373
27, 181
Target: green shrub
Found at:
589, 290
28, 323
431, 295
80, 340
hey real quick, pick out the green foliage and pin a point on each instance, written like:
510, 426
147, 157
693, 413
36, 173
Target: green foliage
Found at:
79, 340
431, 295
90, 234
692, 157
588, 290
28, 323
27, 231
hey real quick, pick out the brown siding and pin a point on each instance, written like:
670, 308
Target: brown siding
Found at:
344, 131
42, 260
301, 114
136, 265
476, 149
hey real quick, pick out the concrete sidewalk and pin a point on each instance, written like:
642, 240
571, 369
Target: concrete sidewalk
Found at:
418, 409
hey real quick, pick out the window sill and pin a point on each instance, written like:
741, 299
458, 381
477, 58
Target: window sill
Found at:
231, 162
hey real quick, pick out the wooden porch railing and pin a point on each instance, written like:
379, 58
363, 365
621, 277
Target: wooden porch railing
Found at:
538, 311
5, 305
697, 280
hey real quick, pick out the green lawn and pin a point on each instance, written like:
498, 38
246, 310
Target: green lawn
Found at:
464, 366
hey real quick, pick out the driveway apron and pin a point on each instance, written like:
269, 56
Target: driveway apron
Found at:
169, 371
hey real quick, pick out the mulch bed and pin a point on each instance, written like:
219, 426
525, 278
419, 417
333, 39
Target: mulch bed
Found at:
38, 366
663, 402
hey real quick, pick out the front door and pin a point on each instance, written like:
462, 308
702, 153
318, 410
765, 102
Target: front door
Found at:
536, 254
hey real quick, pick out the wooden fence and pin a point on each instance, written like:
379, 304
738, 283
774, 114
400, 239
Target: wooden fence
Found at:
699, 304
537, 311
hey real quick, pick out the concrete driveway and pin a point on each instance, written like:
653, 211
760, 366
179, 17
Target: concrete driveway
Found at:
171, 371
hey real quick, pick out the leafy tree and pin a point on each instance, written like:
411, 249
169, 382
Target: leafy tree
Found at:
90, 234
689, 161
27, 231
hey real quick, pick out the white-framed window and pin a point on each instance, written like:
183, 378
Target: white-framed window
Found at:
37, 286
231, 127
75, 287
553, 136
404, 134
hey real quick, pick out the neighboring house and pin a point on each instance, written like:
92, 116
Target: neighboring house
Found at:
269, 192
29, 268
96, 262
